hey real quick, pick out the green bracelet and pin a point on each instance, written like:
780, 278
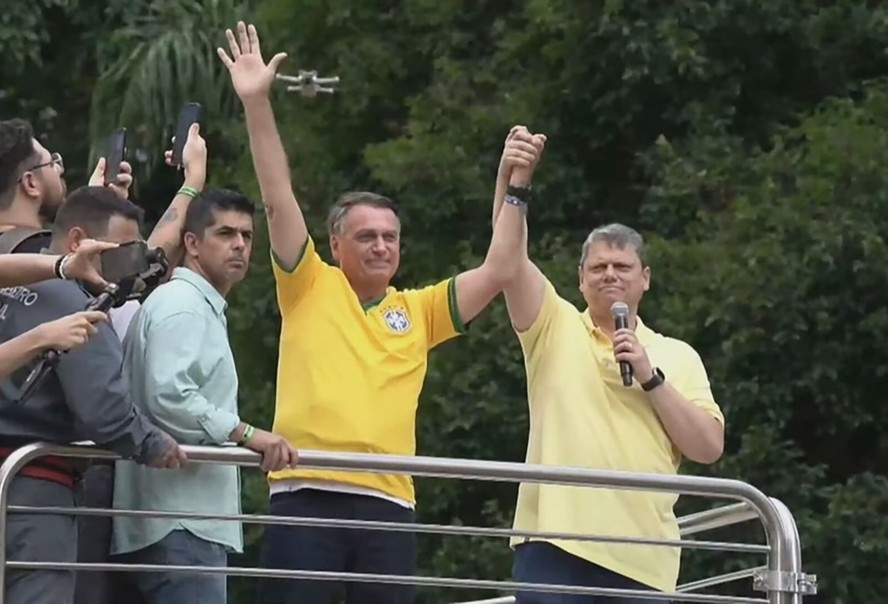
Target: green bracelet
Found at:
248, 434
189, 191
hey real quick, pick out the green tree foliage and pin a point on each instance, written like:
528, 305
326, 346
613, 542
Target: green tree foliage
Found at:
47, 71
795, 342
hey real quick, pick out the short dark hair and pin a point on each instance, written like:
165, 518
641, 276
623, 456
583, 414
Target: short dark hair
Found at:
16, 145
91, 209
352, 199
201, 211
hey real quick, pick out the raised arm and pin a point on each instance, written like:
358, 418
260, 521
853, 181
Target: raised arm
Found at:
524, 291
252, 79
167, 233
22, 269
476, 288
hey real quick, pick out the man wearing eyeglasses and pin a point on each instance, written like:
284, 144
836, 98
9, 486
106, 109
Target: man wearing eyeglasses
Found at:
32, 187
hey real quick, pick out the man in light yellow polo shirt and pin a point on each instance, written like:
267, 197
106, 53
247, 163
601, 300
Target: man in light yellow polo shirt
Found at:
582, 415
353, 355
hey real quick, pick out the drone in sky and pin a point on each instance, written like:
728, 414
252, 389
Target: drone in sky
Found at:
308, 84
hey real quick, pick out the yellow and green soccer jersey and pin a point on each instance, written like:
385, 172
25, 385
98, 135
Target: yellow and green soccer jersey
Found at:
349, 376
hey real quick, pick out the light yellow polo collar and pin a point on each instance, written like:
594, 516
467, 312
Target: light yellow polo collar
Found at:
645, 334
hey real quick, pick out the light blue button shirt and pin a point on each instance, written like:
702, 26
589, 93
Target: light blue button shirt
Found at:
181, 373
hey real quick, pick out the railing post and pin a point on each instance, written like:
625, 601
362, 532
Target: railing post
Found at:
8, 471
784, 580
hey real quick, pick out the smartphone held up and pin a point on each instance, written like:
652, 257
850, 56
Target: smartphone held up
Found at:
191, 113
115, 154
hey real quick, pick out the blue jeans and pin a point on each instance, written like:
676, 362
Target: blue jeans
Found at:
539, 562
180, 548
337, 549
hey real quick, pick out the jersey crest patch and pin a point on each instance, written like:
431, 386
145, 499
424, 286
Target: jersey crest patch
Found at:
397, 320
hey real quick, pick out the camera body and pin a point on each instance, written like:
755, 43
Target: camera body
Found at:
134, 269
132, 272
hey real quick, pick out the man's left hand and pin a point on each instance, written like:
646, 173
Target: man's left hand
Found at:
628, 348
121, 184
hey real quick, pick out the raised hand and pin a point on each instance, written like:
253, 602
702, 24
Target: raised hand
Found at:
519, 150
250, 76
522, 153
194, 158
122, 183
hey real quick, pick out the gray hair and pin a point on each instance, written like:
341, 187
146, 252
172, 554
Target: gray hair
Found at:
355, 198
615, 235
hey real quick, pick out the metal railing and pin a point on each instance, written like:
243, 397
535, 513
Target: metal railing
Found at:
692, 524
782, 578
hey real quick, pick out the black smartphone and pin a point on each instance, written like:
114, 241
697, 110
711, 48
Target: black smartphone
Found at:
124, 261
191, 113
115, 153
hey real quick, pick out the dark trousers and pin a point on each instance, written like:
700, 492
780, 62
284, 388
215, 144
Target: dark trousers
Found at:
337, 549
539, 562
40, 538
96, 490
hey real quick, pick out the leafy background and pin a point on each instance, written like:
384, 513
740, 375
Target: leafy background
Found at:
745, 138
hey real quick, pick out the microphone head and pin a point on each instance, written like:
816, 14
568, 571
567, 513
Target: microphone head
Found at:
619, 309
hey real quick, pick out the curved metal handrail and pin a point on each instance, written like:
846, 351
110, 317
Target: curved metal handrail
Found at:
784, 561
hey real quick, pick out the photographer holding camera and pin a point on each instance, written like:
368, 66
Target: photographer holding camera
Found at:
83, 397
64, 333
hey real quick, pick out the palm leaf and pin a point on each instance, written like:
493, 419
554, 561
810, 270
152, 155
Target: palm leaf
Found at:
162, 57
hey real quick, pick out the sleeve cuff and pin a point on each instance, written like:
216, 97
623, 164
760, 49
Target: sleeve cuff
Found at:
292, 269
458, 325
219, 425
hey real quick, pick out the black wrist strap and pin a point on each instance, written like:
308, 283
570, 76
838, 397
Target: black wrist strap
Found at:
521, 193
656, 380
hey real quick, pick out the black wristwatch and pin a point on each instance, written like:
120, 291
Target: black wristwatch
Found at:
656, 380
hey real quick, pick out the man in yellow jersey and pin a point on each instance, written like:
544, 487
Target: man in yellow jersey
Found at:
582, 414
353, 354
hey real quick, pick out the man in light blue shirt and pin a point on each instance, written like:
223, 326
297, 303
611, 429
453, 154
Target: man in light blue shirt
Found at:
181, 373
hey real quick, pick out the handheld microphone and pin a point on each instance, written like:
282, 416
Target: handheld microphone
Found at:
620, 313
